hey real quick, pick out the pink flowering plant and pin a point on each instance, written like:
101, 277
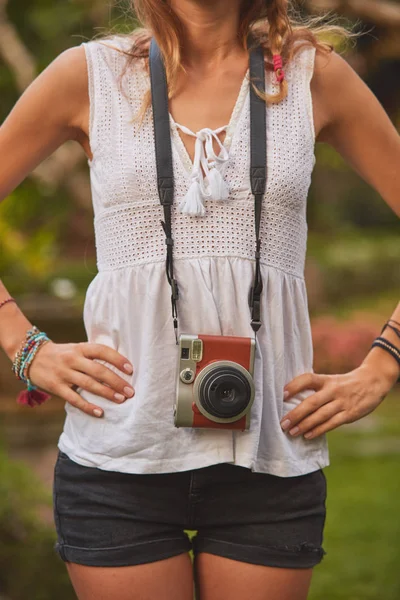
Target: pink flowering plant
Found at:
340, 346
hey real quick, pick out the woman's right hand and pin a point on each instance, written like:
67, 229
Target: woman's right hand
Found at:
56, 367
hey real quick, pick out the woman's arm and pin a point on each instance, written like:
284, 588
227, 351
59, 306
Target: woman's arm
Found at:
46, 115
49, 112
349, 117
52, 110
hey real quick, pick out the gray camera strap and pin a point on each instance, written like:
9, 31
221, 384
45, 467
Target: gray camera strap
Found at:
165, 175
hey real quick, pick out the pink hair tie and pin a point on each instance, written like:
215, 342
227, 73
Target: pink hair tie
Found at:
277, 58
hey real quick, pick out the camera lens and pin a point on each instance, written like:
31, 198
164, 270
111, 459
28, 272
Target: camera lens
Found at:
225, 392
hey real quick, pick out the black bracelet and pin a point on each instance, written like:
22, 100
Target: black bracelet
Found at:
389, 347
395, 329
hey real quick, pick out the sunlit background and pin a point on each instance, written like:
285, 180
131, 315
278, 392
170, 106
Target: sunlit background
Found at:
47, 260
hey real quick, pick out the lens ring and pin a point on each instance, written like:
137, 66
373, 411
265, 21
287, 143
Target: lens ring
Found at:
225, 392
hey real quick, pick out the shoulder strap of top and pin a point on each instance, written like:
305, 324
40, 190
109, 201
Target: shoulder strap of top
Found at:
299, 74
309, 64
104, 66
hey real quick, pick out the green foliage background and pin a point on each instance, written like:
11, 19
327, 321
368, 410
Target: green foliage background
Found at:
354, 246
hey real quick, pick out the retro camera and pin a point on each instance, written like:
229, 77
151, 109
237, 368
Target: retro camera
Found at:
215, 387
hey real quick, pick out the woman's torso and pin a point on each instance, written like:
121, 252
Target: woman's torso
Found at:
127, 304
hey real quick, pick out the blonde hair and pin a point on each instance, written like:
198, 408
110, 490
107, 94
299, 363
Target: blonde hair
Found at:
273, 24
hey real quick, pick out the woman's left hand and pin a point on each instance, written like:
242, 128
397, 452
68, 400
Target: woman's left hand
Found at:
338, 399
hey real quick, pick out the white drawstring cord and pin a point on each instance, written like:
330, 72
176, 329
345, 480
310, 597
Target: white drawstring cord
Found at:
204, 156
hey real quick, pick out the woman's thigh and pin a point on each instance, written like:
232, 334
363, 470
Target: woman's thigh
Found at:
168, 579
219, 578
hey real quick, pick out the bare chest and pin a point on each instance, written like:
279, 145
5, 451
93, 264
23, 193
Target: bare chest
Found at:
208, 102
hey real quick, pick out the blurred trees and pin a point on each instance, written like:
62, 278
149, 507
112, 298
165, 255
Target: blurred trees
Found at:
47, 221
339, 199
377, 55
49, 216
29, 566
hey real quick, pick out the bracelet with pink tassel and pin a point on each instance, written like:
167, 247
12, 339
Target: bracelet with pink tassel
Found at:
34, 339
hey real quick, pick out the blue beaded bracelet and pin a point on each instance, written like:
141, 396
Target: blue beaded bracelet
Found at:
22, 361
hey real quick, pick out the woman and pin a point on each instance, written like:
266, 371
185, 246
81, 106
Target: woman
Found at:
127, 482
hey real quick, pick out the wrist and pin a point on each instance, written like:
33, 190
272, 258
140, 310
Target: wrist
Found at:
383, 364
13, 328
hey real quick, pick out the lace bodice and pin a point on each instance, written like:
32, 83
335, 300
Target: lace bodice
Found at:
126, 203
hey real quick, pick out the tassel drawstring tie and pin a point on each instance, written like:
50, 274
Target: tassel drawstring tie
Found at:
205, 158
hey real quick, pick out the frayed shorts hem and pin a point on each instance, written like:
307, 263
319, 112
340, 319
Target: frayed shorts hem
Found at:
304, 556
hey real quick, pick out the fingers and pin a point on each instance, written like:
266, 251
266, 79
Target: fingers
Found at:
89, 375
76, 400
86, 382
309, 381
318, 413
100, 351
75, 364
336, 421
305, 408
319, 417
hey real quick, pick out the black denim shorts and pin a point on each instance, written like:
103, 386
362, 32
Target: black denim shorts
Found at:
107, 518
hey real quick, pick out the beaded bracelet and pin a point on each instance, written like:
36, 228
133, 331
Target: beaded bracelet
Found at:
23, 359
8, 300
389, 347
24, 356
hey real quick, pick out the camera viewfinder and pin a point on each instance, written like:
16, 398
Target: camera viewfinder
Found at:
197, 350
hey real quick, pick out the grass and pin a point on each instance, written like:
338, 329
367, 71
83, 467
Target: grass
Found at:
362, 534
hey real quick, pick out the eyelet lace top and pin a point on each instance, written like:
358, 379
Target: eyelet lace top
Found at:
127, 305
208, 168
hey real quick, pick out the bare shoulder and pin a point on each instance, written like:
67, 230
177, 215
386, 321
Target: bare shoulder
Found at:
71, 61
49, 112
335, 88
68, 74
59, 92
331, 72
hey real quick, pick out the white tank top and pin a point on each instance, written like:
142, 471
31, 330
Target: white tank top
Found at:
128, 307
